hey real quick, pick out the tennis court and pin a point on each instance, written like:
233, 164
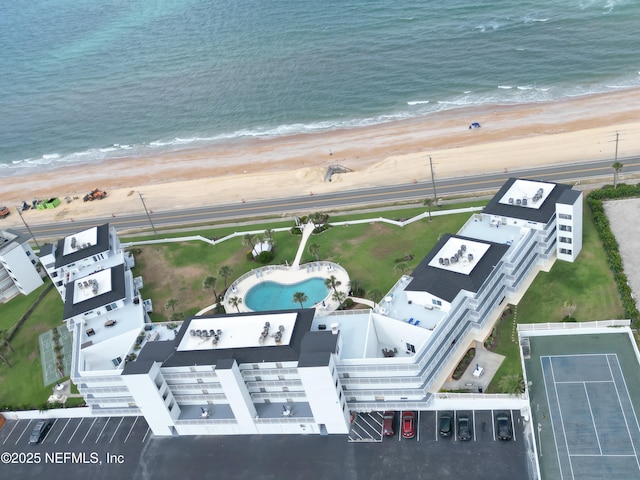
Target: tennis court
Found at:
596, 431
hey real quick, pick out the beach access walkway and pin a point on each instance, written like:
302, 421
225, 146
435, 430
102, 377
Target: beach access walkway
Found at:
306, 233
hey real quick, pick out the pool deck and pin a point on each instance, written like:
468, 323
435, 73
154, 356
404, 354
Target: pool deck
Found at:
288, 275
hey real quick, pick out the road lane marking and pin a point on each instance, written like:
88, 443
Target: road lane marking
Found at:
63, 428
74, 432
130, 430
90, 427
14, 427
105, 426
114, 433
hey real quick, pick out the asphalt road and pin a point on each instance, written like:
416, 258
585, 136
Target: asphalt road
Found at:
287, 206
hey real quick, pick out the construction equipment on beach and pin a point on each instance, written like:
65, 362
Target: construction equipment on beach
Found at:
95, 194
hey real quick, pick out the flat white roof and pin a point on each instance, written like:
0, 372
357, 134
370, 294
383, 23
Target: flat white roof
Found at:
92, 285
459, 255
80, 240
239, 332
527, 194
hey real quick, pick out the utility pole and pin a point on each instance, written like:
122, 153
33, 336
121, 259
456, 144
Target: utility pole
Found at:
18, 209
147, 212
433, 182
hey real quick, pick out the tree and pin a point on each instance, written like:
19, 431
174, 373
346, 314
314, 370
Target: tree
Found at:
210, 284
300, 297
374, 295
333, 283
569, 309
4, 339
313, 249
177, 316
235, 302
617, 166
339, 297
225, 272
512, 384
402, 268
172, 303
249, 241
356, 288
428, 202
269, 233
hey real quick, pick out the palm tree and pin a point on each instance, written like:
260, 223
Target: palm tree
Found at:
355, 287
333, 283
300, 297
428, 202
249, 240
339, 297
269, 233
172, 303
235, 302
225, 272
401, 267
210, 284
512, 384
617, 166
313, 249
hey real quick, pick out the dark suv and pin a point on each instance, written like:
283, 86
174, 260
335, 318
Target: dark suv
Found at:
445, 424
464, 427
39, 431
503, 426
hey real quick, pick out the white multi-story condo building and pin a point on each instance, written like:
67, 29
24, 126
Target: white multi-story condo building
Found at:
295, 372
18, 266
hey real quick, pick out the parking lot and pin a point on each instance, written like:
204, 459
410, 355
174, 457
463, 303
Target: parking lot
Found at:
367, 427
124, 447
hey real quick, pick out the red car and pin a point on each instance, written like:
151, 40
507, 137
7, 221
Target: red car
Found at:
387, 424
408, 424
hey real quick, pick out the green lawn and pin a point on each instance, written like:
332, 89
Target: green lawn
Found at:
22, 384
587, 283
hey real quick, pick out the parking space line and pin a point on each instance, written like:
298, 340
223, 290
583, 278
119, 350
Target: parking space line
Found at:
74, 432
90, 427
454, 434
436, 429
116, 431
131, 429
418, 428
63, 429
493, 425
25, 429
145, 435
513, 427
105, 426
14, 427
473, 417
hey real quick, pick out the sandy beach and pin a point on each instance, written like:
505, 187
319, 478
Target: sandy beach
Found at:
510, 137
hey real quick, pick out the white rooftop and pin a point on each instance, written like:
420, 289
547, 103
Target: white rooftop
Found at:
459, 255
92, 285
239, 332
527, 194
80, 240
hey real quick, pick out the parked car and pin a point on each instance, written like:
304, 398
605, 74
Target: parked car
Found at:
388, 419
503, 426
40, 430
464, 427
445, 425
4, 212
408, 424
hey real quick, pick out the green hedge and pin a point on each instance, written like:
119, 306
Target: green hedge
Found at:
594, 200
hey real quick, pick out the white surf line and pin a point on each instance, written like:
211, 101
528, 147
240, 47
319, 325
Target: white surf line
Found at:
105, 426
114, 433
90, 427
131, 429
14, 427
74, 432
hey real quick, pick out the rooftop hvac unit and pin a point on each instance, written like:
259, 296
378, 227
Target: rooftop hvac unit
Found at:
334, 328
441, 261
73, 242
524, 201
510, 201
446, 261
518, 201
463, 247
470, 257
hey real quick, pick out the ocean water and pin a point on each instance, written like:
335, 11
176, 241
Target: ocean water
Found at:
84, 81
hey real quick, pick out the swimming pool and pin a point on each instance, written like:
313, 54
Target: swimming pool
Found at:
277, 296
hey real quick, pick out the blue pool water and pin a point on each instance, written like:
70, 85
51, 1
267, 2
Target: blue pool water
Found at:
276, 296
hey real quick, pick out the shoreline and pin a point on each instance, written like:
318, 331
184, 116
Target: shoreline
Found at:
511, 136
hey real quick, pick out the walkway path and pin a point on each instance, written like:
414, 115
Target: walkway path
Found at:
306, 233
